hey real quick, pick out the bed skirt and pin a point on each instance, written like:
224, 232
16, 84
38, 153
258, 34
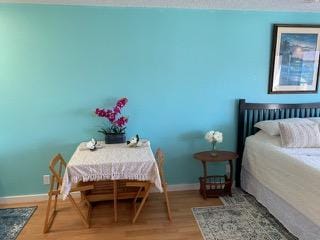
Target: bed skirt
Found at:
298, 224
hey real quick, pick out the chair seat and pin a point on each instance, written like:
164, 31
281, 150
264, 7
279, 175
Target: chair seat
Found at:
136, 183
81, 186
74, 188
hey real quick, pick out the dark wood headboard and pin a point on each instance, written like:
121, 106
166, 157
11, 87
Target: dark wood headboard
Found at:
251, 113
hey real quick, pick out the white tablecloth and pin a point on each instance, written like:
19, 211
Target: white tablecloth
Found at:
111, 162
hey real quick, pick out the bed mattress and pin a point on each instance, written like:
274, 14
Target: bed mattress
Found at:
292, 174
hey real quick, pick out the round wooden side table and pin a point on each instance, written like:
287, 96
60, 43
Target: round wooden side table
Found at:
215, 185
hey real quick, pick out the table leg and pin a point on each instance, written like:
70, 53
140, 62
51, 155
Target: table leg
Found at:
115, 198
231, 178
204, 186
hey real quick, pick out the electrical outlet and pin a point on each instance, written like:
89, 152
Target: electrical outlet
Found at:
46, 179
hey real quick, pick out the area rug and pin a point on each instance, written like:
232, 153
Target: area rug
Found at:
12, 221
240, 218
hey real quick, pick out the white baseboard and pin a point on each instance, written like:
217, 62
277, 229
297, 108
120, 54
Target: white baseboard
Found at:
183, 187
33, 198
24, 198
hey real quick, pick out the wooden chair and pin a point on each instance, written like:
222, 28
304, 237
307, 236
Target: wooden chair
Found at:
111, 190
57, 166
160, 162
143, 192
145, 186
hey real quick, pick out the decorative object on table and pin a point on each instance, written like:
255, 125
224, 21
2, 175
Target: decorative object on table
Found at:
295, 59
116, 132
214, 137
216, 185
242, 218
134, 141
12, 221
92, 144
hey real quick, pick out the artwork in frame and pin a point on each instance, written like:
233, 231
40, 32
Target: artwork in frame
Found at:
295, 59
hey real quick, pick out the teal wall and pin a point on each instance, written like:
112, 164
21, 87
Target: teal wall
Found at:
182, 71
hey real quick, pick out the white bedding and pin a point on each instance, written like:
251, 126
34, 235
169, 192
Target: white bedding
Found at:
292, 174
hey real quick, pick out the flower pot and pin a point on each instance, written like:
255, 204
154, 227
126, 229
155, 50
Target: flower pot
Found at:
115, 138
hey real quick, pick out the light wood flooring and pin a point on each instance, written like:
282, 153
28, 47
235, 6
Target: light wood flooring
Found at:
152, 223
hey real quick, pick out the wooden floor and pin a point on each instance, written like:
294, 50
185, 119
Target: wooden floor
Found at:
152, 223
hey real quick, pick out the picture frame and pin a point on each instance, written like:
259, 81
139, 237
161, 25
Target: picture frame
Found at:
294, 66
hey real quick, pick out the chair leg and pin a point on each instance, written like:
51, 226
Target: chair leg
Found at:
49, 219
89, 212
167, 201
135, 201
55, 202
86, 202
115, 200
147, 190
83, 218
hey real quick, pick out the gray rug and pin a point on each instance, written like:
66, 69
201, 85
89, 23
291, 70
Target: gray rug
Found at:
241, 218
12, 221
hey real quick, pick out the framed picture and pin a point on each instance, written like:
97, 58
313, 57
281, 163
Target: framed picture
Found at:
295, 59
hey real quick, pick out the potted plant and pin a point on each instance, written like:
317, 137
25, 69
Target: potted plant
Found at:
115, 133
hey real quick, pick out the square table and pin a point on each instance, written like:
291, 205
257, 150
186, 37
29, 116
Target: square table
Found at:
111, 162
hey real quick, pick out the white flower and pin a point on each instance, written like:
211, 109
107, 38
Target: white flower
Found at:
209, 136
214, 136
218, 136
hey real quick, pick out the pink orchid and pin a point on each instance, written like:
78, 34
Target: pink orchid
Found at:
117, 123
121, 121
117, 110
122, 102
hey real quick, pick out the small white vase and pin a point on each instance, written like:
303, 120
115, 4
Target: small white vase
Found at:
213, 151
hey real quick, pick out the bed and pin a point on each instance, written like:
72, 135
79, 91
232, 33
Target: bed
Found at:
285, 181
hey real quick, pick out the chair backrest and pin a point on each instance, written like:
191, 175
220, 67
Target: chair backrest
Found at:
160, 162
57, 165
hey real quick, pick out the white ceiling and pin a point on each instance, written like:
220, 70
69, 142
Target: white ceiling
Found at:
266, 5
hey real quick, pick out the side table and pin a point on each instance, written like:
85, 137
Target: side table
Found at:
215, 185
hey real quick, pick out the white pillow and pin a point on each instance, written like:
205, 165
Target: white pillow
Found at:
299, 134
272, 126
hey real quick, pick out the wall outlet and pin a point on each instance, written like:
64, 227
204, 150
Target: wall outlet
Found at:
46, 179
